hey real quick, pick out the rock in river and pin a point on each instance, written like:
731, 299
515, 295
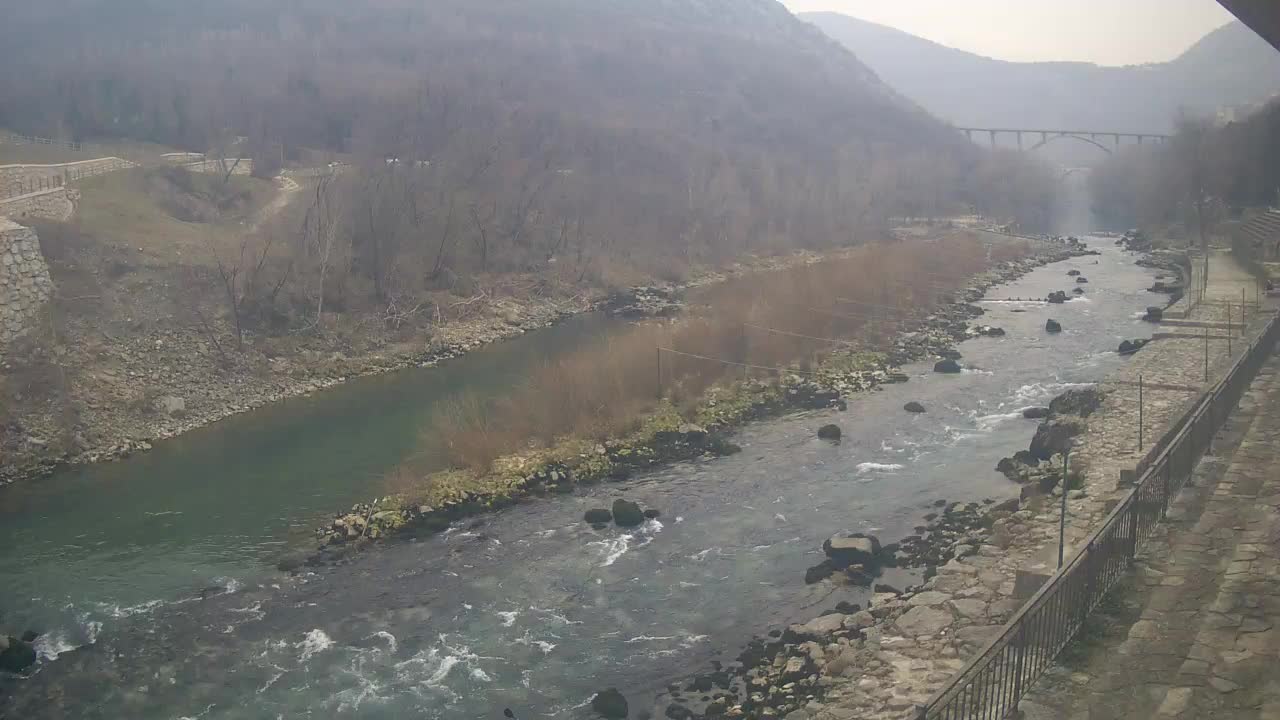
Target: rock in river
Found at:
1052, 326
1073, 273
598, 515
1054, 437
913, 407
1129, 347
1077, 401
1082, 280
18, 656
829, 432
1058, 297
855, 549
627, 513
1154, 314
1035, 413
610, 704
947, 366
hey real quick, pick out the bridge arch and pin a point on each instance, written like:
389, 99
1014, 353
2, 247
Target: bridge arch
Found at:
1069, 136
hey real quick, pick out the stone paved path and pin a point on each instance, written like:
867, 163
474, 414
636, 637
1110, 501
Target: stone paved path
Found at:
1198, 635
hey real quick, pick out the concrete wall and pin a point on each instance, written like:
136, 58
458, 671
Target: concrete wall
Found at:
25, 285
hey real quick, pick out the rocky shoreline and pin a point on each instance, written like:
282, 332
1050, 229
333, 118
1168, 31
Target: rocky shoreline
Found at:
185, 394
667, 437
883, 662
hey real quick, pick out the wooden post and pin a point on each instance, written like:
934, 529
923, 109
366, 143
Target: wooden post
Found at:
659, 353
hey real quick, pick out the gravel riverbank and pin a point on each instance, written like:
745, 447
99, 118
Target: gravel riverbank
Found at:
667, 437
980, 565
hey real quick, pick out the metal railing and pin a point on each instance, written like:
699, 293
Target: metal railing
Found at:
991, 684
17, 139
59, 175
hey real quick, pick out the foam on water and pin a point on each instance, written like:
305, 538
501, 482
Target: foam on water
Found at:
555, 616
508, 618
614, 548
387, 638
315, 641
988, 422
1041, 392
871, 467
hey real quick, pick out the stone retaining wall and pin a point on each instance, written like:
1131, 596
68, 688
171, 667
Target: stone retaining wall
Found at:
27, 178
25, 285
55, 204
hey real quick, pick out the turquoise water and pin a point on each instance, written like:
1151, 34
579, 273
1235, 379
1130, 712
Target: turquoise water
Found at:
223, 503
529, 608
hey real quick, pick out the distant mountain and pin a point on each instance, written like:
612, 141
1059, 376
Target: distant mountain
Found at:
1230, 66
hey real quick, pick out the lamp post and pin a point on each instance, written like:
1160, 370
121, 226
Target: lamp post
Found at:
1062, 516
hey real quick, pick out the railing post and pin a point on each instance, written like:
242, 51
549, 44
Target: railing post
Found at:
1133, 522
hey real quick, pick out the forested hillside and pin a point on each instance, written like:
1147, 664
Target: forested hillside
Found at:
528, 131
1229, 66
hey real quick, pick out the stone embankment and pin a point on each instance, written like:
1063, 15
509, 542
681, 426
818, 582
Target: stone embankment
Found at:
23, 178
1194, 632
883, 662
25, 286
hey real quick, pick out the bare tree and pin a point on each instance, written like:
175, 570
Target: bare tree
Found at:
320, 229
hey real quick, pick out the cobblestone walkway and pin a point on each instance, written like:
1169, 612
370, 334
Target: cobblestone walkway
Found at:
1195, 633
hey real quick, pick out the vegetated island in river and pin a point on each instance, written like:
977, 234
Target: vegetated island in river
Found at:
701, 400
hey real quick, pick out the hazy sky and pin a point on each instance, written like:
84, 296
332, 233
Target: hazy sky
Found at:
1108, 32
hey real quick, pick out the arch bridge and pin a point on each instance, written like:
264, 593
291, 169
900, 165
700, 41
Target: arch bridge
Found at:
1040, 138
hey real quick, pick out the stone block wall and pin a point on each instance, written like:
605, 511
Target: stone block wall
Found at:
25, 178
55, 204
25, 285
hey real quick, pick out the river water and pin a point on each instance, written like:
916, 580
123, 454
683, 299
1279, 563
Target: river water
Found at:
530, 608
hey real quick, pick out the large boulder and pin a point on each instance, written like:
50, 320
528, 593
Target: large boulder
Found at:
1052, 326
913, 407
610, 703
1057, 297
1035, 413
1129, 347
829, 432
946, 366
1154, 314
925, 620
627, 513
1054, 437
854, 549
819, 572
17, 657
1079, 401
819, 628
596, 516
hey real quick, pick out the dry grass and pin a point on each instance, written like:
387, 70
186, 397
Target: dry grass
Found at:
134, 209
139, 152
782, 319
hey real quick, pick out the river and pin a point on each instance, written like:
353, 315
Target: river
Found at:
529, 608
